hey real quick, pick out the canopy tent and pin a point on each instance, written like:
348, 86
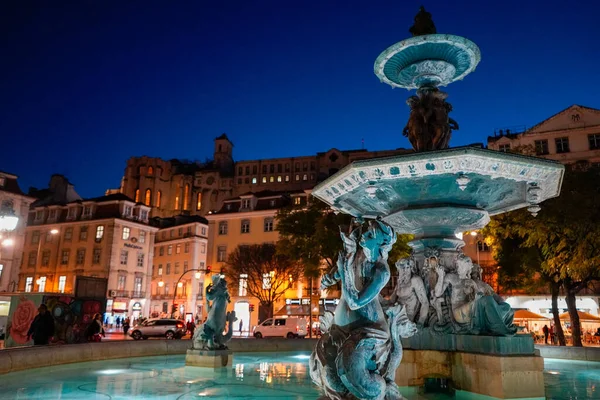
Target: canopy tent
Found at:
583, 317
526, 315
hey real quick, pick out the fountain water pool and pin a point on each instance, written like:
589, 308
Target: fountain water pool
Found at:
252, 376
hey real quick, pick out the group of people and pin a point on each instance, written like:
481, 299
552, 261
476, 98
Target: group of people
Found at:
549, 334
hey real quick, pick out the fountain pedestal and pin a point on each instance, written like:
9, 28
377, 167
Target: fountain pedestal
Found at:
208, 358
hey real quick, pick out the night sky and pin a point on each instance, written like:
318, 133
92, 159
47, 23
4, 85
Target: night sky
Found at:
87, 84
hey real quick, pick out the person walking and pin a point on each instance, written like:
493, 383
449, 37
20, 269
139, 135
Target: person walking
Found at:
546, 332
191, 327
241, 326
95, 330
42, 327
126, 326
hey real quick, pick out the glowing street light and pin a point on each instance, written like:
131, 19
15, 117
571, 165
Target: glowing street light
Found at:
161, 283
8, 219
8, 242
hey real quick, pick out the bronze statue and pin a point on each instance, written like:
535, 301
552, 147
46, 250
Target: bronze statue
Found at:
429, 127
423, 24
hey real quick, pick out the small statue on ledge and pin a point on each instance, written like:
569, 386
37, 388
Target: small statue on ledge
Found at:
475, 308
209, 336
423, 24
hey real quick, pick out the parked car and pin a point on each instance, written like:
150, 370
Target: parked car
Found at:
159, 327
291, 327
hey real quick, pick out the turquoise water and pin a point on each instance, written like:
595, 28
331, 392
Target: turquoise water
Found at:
252, 376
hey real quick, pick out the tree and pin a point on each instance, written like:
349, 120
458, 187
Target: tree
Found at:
566, 236
265, 274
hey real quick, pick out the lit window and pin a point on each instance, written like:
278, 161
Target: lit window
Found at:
148, 197
271, 179
178, 249
62, 281
1, 269
28, 284
297, 177
243, 285
169, 249
199, 201
137, 195
253, 181
160, 270
150, 170
42, 284
99, 232
124, 255
186, 196
158, 196
287, 178
142, 236
297, 200
304, 177
126, 232
177, 202
267, 280
279, 178
264, 179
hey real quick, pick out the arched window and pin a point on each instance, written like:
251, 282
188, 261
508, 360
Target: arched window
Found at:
186, 196
137, 195
199, 201
148, 198
177, 197
158, 195
150, 170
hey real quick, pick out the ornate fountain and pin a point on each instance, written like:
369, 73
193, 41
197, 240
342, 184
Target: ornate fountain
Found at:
440, 303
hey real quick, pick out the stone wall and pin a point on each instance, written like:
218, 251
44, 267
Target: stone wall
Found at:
18, 359
570, 353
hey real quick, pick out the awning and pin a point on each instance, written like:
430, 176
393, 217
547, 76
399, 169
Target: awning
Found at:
528, 315
295, 310
583, 317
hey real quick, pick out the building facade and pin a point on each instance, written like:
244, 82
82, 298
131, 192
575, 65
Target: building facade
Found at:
11, 243
106, 237
179, 267
182, 187
571, 136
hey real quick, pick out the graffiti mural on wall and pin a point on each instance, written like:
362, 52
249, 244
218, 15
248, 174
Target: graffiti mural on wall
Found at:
71, 317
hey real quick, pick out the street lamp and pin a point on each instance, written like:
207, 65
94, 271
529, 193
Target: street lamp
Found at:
8, 219
53, 231
179, 284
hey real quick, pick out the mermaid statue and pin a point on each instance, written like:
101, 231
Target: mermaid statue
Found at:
357, 356
209, 336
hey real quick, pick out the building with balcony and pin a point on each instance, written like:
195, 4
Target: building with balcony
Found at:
106, 237
11, 243
179, 267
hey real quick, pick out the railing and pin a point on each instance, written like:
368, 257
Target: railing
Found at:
138, 294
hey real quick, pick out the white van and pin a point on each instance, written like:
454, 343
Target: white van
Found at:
291, 327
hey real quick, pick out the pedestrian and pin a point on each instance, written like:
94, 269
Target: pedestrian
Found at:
191, 327
551, 334
42, 327
125, 326
546, 332
95, 330
241, 326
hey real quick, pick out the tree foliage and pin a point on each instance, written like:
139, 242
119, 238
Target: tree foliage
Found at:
562, 244
267, 274
311, 235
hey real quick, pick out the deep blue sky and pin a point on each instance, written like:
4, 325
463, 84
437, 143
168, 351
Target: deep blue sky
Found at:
87, 84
